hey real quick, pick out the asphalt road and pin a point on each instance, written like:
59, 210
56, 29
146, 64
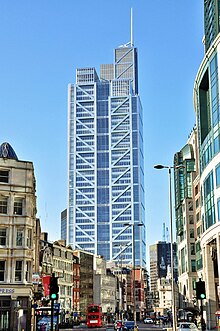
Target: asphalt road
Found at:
141, 326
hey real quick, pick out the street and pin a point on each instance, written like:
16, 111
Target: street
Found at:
141, 326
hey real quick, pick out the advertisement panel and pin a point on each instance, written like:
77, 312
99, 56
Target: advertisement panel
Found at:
46, 284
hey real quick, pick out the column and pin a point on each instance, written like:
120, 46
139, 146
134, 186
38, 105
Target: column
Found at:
210, 304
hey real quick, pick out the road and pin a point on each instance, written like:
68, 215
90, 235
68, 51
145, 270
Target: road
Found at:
141, 326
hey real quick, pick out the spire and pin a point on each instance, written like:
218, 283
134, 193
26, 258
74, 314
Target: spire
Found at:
132, 39
7, 152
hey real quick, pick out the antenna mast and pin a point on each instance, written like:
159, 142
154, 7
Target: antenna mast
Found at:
132, 42
164, 239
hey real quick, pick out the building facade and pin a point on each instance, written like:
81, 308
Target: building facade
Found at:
185, 171
63, 258
165, 297
17, 237
86, 280
206, 101
160, 259
63, 224
105, 286
105, 165
206, 104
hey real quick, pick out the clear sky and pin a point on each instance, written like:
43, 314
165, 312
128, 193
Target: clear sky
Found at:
42, 43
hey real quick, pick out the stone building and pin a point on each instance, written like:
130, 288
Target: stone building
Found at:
105, 285
63, 268
86, 285
17, 233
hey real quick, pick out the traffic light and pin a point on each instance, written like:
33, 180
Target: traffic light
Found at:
200, 290
54, 288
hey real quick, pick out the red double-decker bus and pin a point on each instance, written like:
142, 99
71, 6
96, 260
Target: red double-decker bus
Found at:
94, 316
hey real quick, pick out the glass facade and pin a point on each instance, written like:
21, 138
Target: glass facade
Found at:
184, 163
211, 20
208, 118
209, 201
106, 174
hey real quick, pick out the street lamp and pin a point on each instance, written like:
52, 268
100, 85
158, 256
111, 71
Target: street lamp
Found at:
133, 263
159, 167
122, 248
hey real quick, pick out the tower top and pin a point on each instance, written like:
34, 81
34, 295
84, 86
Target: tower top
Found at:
132, 42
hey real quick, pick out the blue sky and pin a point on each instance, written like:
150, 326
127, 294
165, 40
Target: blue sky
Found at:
42, 44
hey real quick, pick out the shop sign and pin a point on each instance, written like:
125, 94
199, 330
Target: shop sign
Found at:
7, 290
35, 278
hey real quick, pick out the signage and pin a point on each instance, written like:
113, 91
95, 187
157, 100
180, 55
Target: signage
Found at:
35, 278
7, 290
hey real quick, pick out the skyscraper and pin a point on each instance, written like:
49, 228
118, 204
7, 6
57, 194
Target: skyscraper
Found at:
105, 164
211, 21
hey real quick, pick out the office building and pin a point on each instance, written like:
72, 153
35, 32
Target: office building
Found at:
186, 169
211, 21
105, 161
206, 104
63, 224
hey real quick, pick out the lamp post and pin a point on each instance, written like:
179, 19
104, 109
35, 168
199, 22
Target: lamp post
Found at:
122, 248
133, 263
160, 166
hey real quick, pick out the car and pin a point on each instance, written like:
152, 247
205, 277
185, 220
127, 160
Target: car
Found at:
129, 326
187, 326
148, 321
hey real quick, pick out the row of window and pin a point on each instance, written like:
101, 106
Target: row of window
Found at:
23, 237
18, 207
60, 264
21, 270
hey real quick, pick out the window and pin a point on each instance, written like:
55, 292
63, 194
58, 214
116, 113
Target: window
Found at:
191, 233
196, 190
19, 237
217, 173
18, 204
218, 207
2, 271
27, 271
3, 205
18, 271
192, 249
191, 220
4, 175
193, 265
190, 206
2, 237
209, 201
29, 237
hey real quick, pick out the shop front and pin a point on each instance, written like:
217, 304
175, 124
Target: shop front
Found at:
15, 308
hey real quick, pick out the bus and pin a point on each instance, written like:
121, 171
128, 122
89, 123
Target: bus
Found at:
94, 316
